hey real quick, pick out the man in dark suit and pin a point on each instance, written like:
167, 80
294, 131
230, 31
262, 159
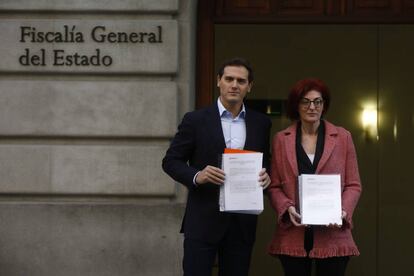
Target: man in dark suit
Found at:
193, 160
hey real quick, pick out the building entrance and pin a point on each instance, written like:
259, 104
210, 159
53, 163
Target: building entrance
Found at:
368, 69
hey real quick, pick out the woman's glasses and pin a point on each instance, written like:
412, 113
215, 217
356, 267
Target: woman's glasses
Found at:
306, 103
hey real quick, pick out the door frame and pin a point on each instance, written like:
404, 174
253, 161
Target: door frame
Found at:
211, 12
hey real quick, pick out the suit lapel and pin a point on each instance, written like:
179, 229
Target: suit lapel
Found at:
213, 123
330, 142
250, 130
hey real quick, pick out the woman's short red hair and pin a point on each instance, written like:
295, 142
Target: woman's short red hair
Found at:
300, 89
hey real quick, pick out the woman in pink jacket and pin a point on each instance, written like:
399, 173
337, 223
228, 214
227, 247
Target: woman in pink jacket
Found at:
312, 146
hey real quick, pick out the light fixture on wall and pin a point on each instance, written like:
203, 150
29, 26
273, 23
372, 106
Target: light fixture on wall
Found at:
369, 121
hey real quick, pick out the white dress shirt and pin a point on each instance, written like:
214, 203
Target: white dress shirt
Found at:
234, 129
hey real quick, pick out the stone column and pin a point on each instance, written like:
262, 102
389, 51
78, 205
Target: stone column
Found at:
91, 91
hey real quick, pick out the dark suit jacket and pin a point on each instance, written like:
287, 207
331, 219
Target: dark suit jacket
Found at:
200, 142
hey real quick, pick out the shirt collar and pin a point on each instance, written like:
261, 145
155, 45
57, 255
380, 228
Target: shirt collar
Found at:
223, 110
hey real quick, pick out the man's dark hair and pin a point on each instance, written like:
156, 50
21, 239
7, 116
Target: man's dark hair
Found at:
236, 62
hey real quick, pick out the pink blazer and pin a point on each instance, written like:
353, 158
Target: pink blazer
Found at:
338, 157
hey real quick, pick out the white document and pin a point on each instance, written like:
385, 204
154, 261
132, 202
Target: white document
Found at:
241, 191
320, 199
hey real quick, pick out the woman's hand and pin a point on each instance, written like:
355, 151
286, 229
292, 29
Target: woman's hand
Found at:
343, 216
294, 216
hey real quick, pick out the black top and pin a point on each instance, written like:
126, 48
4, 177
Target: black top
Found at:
305, 166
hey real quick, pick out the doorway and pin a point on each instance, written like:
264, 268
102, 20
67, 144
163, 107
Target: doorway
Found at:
365, 67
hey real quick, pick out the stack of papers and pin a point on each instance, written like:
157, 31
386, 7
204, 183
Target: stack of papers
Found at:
320, 199
241, 191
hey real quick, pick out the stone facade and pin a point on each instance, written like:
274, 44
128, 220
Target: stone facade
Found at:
82, 191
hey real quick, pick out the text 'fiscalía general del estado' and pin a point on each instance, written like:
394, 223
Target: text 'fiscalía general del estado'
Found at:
34, 55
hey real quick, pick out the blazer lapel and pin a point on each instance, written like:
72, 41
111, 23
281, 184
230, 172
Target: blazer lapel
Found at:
290, 147
330, 142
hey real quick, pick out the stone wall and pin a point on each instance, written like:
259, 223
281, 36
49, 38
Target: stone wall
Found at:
81, 138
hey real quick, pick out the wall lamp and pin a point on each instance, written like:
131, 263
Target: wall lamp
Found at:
369, 121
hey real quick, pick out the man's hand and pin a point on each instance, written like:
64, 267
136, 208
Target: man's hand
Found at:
264, 179
210, 174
